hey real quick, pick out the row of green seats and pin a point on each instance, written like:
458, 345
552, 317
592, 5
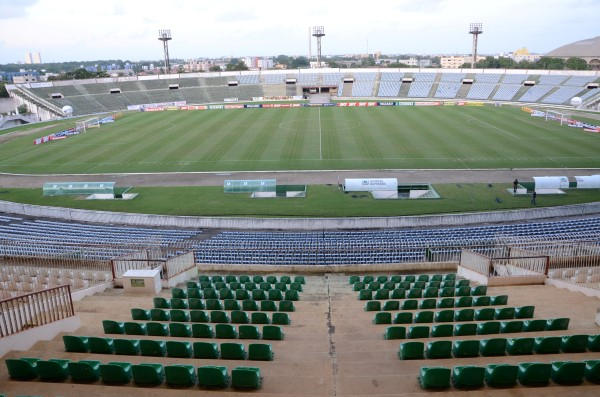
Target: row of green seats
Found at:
240, 294
220, 316
415, 293
194, 330
482, 328
407, 285
216, 304
398, 278
169, 348
230, 278
507, 375
432, 303
122, 373
440, 349
205, 287
455, 315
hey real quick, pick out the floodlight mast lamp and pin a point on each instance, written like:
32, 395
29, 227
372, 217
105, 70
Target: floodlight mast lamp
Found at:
164, 35
475, 29
318, 32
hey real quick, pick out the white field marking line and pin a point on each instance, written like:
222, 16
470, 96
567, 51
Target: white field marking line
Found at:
320, 137
490, 125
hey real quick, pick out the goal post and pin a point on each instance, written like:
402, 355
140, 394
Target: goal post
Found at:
82, 126
555, 116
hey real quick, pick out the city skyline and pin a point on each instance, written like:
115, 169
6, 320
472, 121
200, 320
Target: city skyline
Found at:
64, 30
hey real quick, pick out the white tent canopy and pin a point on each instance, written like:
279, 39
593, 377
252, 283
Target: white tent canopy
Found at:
588, 182
550, 182
370, 184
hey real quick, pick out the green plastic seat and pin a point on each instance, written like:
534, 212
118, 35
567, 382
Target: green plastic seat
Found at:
391, 305
411, 350
84, 371
434, 377
492, 347
285, 279
464, 314
178, 293
99, 345
395, 332
219, 316
479, 290
153, 348
463, 301
217, 278
179, 349
592, 371
230, 278
24, 368
557, 324
425, 316
233, 351
179, 303
353, 279
382, 294
434, 284
246, 378
398, 293
547, 344
436, 277
423, 277
259, 318
299, 279
282, 286
160, 315
374, 286
505, 313
113, 327
291, 295
213, 304
448, 283
464, 329
250, 286
568, 372
244, 278
462, 291
488, 328
524, 312
196, 304
593, 343
206, 350
465, 348
210, 293
450, 276
415, 293
213, 376
242, 294
463, 283
501, 375
431, 292
382, 318
574, 343
358, 286
203, 277
439, 349
148, 374
194, 293
534, 325
446, 292
373, 306
403, 318
268, 306
133, 328
396, 278
249, 305
418, 332
127, 347
281, 319
427, 304
275, 295
365, 295
231, 304
272, 332
410, 304
181, 330
442, 330
225, 331
534, 374
410, 278
235, 285
389, 285
140, 314
53, 370
511, 326
199, 316
179, 315
248, 332
260, 352
116, 372
79, 344
294, 286
157, 329
180, 375
482, 300
161, 303
499, 300
286, 306
445, 303
519, 346
382, 278
485, 314
271, 279
226, 293
265, 286
239, 317
468, 376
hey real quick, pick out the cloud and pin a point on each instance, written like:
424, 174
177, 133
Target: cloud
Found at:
10, 9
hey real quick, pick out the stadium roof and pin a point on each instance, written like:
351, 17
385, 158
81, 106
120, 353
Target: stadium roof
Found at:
582, 48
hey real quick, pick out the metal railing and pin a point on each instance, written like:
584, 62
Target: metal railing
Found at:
35, 309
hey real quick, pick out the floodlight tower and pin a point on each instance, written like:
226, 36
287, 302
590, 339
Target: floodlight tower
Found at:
475, 29
164, 35
318, 32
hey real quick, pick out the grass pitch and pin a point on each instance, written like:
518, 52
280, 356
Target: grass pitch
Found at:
446, 137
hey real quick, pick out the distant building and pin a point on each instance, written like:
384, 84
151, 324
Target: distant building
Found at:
26, 77
523, 54
33, 58
588, 49
414, 62
456, 61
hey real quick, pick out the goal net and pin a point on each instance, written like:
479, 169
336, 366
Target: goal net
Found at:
88, 123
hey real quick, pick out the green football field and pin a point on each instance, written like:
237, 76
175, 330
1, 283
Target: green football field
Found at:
441, 137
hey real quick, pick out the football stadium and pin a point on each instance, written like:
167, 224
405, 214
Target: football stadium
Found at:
324, 232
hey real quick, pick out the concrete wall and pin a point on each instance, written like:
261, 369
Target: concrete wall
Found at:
299, 223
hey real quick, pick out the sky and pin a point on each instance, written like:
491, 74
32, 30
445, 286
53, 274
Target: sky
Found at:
75, 30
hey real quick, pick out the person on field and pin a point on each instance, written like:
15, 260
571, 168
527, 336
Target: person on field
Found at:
515, 185
533, 197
